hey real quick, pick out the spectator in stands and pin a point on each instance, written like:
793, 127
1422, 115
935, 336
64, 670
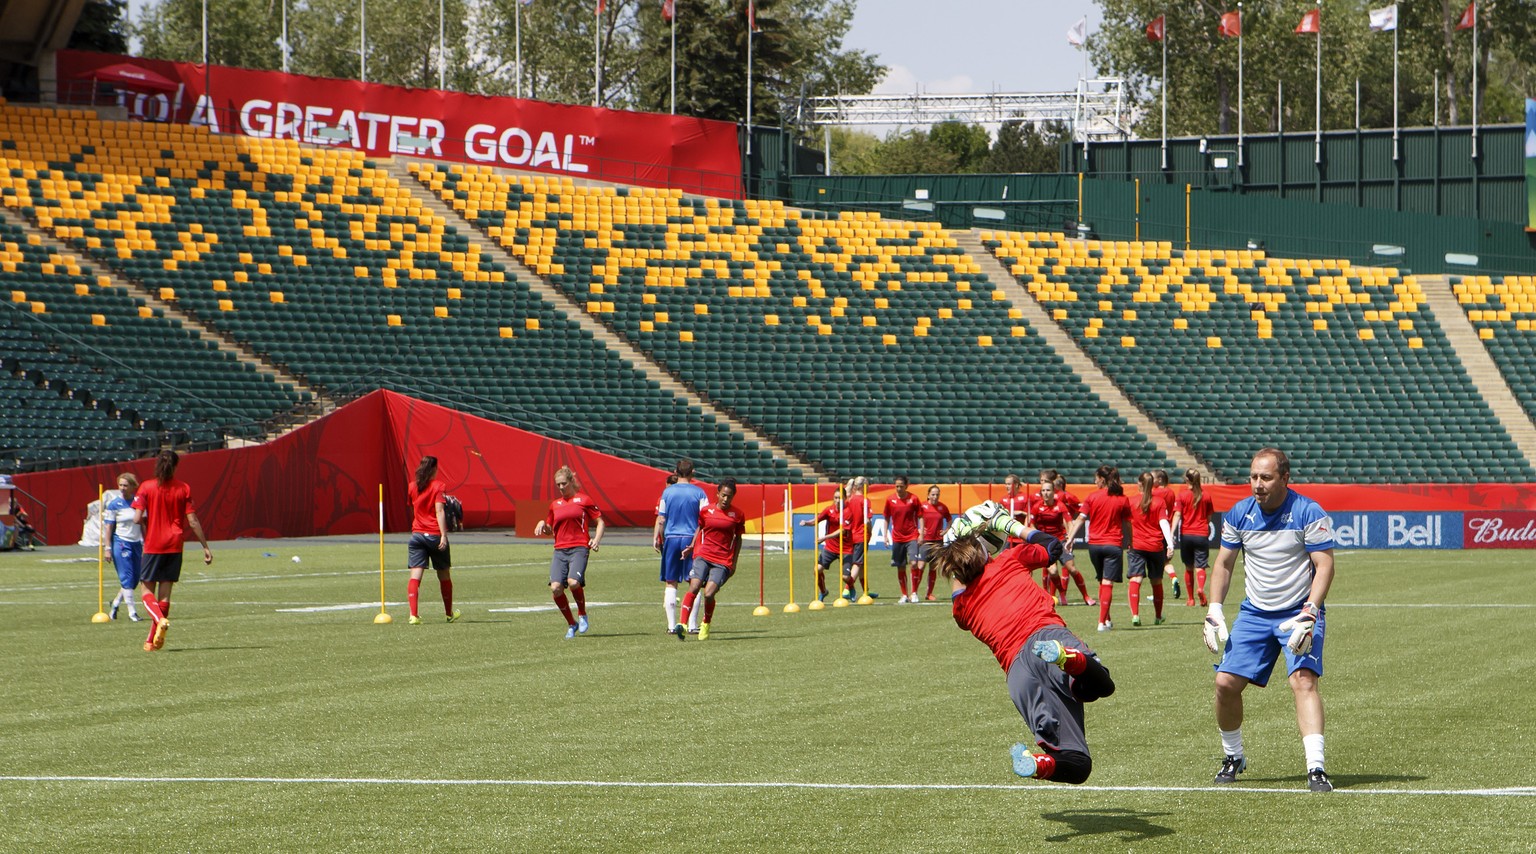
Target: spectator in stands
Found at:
163, 509
23, 535
429, 538
126, 541
677, 519
577, 525
1104, 511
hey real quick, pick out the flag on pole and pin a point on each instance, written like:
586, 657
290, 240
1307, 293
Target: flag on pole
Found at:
1231, 25
1468, 17
1078, 35
752, 16
1384, 19
1312, 22
1157, 29
667, 9
601, 5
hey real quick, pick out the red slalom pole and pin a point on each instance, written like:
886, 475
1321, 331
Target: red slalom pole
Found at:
762, 549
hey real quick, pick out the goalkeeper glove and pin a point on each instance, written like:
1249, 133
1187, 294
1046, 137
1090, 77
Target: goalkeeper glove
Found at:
982, 518
1301, 627
1215, 629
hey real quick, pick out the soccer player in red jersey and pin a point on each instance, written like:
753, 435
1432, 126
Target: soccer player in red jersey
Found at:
901, 512
835, 543
855, 517
1069, 545
578, 528
1048, 513
1105, 510
1051, 673
716, 545
1163, 491
1016, 501
933, 517
163, 510
1195, 510
429, 538
1151, 546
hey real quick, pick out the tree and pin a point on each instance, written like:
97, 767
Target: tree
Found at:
1023, 147
102, 27
966, 145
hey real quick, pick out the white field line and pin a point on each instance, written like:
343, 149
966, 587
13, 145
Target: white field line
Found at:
1514, 791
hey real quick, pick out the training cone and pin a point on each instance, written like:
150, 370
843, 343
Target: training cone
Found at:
866, 599
761, 611
816, 605
383, 617
100, 617
791, 608
841, 603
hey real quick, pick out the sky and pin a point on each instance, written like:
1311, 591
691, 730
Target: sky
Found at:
963, 46
972, 46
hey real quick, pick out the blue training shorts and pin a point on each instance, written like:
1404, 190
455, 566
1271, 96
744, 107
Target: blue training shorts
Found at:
1256, 642
674, 565
128, 557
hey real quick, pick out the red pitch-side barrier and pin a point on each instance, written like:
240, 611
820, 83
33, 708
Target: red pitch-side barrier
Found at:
696, 155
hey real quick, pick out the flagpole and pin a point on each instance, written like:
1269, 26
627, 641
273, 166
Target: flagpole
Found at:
1357, 104
362, 41
285, 37
1395, 99
751, 25
1317, 120
1164, 40
517, 28
1239, 84
674, 60
1475, 28
597, 55
442, 44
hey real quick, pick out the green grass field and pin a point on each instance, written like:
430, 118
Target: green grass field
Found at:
270, 723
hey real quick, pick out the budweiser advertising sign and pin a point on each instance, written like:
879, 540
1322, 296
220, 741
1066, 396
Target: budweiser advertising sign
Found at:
1511, 529
652, 149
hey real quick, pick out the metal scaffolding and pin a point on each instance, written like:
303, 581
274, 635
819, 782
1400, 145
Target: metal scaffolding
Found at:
1096, 112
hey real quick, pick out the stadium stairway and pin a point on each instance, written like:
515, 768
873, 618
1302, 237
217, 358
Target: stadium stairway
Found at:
1085, 368
296, 418
555, 296
1481, 368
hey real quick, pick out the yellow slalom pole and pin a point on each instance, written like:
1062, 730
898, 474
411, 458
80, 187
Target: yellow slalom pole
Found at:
101, 615
383, 615
762, 554
789, 548
815, 604
842, 557
866, 599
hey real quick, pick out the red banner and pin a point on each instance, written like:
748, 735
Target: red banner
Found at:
1486, 530
695, 155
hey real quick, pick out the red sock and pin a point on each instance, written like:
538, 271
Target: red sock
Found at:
709, 609
413, 593
1081, 586
1106, 593
1045, 766
917, 576
1200, 581
687, 611
152, 605
446, 585
1157, 599
901, 578
165, 608
932, 576
1135, 597
565, 607
1076, 662
580, 595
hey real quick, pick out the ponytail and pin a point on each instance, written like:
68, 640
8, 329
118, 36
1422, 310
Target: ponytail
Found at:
1147, 481
1192, 478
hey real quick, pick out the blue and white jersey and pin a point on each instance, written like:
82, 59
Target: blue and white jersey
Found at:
679, 505
1276, 547
119, 514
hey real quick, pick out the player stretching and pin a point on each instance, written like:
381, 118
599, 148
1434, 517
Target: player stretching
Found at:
901, 512
715, 548
1051, 673
1287, 545
933, 518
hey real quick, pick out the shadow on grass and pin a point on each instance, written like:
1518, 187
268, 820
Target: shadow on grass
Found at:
1127, 825
1344, 781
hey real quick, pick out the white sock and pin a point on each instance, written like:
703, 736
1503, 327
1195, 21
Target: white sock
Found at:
1313, 745
127, 596
1232, 742
116, 599
669, 602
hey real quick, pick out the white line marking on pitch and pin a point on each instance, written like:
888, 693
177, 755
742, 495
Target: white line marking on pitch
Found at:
1515, 791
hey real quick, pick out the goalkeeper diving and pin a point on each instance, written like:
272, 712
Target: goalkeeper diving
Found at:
1051, 673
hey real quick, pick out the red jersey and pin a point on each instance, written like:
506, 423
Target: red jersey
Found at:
572, 520
424, 508
1146, 532
1051, 518
854, 511
1165, 495
1106, 517
1016, 504
165, 507
1196, 517
901, 514
1072, 502
1004, 606
935, 516
838, 545
719, 533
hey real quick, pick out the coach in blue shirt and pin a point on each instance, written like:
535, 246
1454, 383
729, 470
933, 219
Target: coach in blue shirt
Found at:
677, 518
1287, 545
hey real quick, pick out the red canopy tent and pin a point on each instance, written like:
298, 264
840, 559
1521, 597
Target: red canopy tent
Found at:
130, 76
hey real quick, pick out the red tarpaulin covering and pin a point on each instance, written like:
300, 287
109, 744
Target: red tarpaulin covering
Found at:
652, 149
